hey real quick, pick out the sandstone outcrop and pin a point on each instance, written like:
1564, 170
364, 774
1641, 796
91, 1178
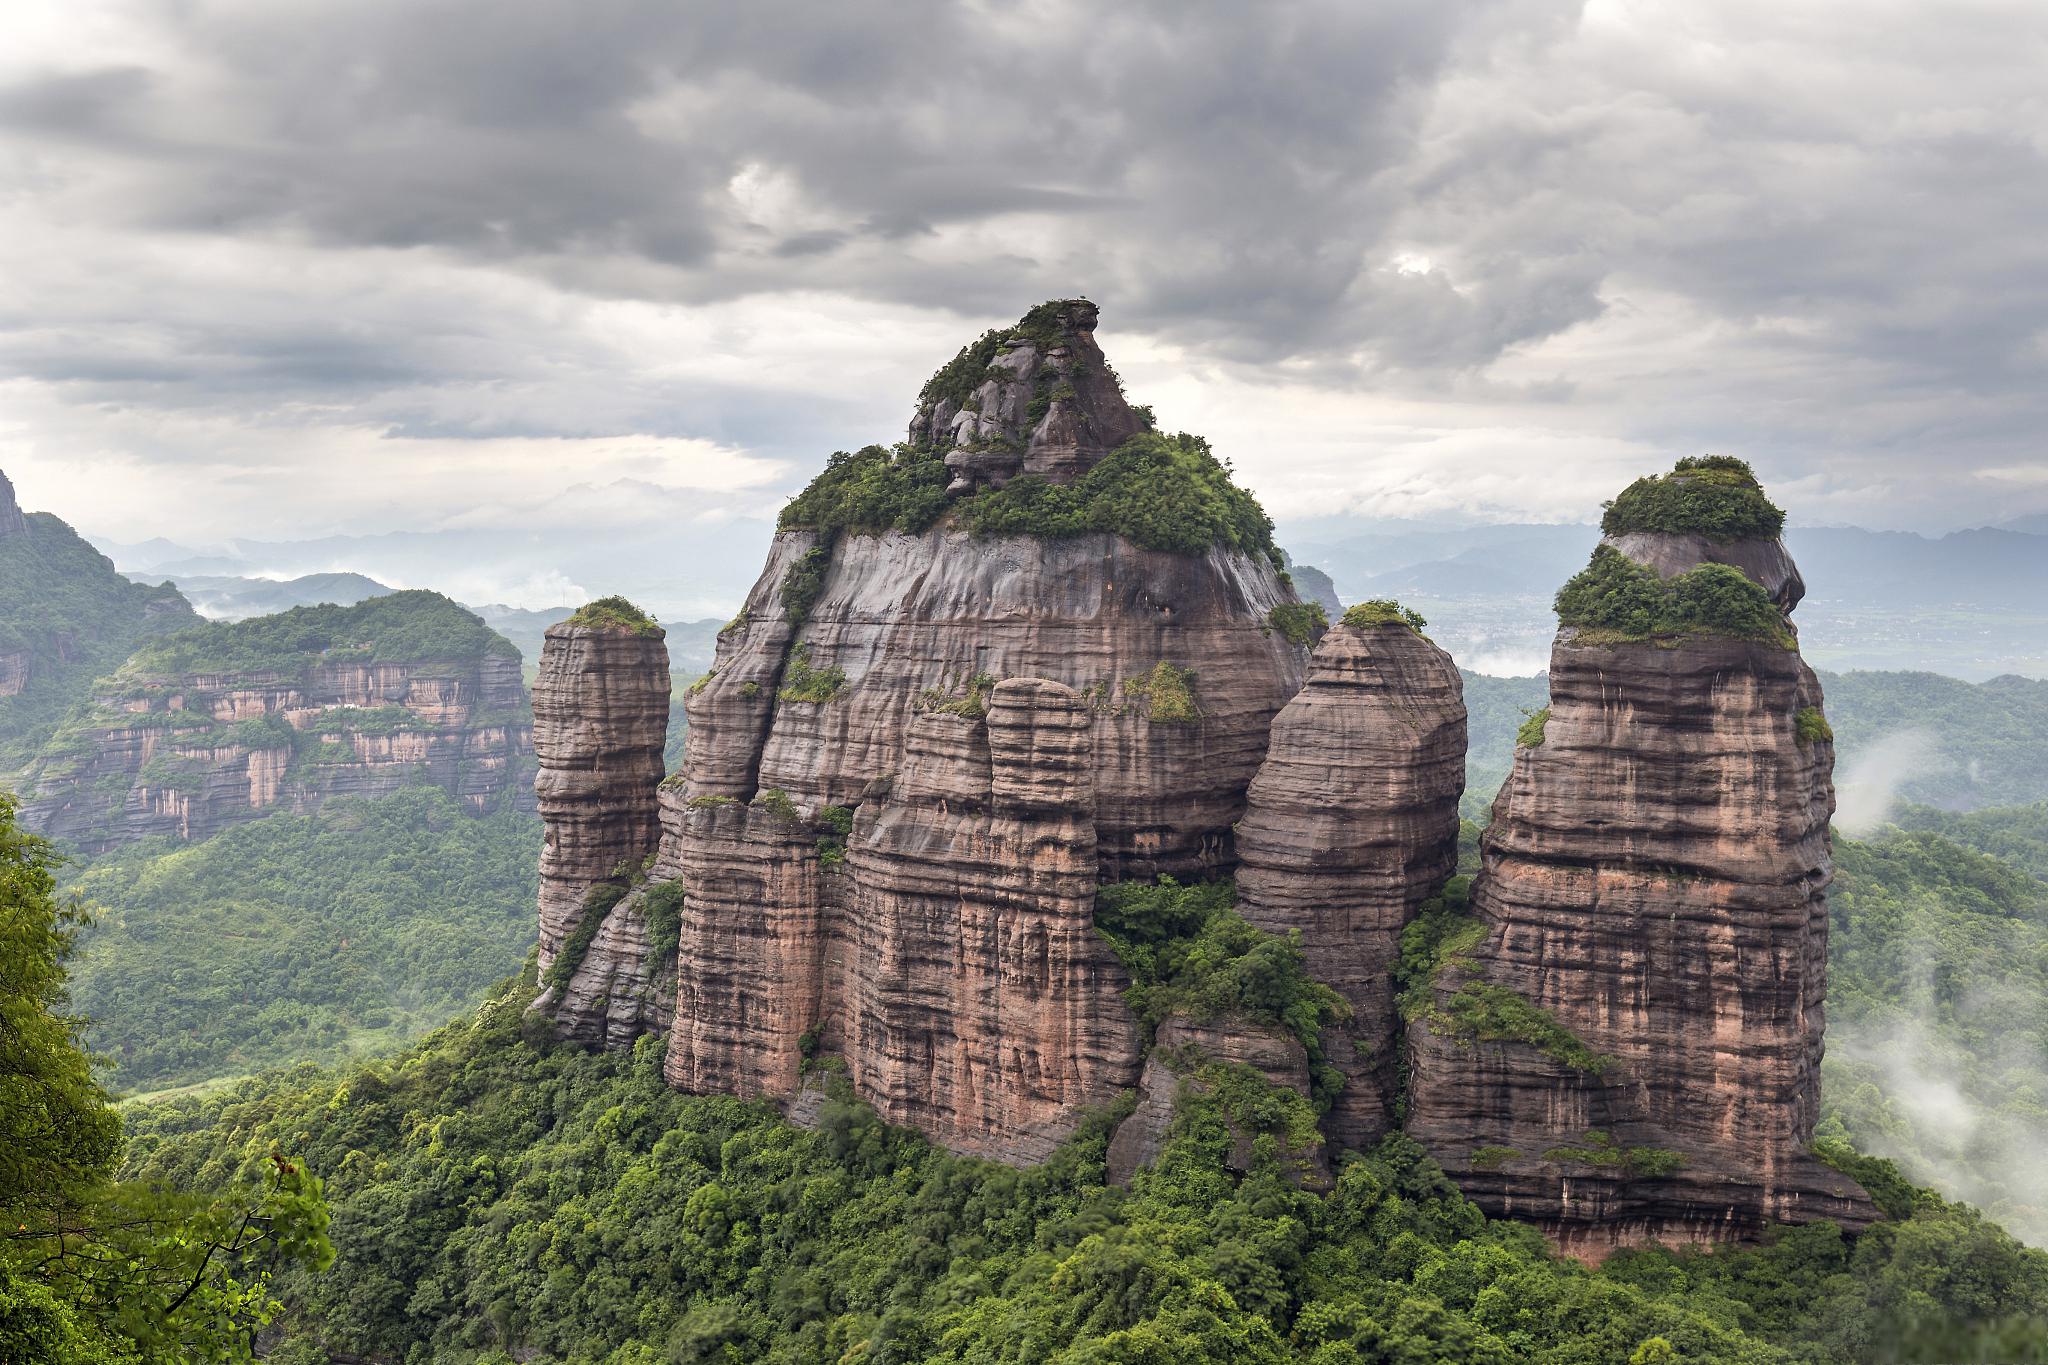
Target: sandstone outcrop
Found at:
600, 718
948, 955
1352, 823
1004, 720
1037, 399
204, 730
1626, 1047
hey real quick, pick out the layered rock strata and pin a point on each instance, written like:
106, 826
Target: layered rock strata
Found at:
1351, 823
950, 958
1628, 1047
600, 718
899, 615
187, 755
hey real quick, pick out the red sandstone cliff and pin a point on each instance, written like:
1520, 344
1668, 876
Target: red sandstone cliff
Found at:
1654, 885
1352, 824
185, 761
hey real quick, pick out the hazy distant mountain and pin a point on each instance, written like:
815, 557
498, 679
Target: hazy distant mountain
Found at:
227, 597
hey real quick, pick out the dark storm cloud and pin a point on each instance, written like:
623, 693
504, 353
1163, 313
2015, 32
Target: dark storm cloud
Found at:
1811, 232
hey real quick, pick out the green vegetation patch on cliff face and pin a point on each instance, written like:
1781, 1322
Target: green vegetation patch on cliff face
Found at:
300, 938
1299, 623
1191, 954
615, 613
1716, 496
497, 1196
1382, 611
415, 626
1161, 492
1615, 600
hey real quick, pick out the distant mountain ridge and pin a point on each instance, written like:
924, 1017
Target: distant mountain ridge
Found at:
65, 617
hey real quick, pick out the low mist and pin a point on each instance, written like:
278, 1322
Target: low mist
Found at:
1867, 786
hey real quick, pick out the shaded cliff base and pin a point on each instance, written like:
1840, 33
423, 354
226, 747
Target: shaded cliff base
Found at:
570, 1205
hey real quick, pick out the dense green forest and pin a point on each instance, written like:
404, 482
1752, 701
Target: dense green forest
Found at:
69, 617
300, 938
411, 626
94, 1271
1938, 1011
494, 1194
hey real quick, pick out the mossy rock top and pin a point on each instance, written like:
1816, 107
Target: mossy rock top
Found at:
615, 613
1716, 496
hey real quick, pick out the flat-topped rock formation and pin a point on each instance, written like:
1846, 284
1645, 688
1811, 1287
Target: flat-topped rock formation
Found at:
1627, 1047
223, 723
1041, 647
599, 725
1352, 824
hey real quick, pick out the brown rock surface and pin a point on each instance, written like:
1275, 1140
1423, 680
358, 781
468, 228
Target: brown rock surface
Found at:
1046, 404
175, 757
600, 717
901, 614
1655, 878
1352, 822
951, 960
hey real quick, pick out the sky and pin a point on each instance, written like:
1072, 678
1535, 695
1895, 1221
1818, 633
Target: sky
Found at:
281, 269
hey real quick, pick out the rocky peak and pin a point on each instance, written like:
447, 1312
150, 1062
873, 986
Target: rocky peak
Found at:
1624, 1043
1036, 398
12, 522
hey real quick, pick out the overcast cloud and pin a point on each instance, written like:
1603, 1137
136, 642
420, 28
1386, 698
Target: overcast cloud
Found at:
274, 267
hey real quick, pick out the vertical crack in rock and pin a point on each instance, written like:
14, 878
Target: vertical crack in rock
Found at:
1352, 823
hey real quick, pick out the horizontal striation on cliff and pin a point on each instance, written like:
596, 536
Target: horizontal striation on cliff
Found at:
1628, 1047
1352, 823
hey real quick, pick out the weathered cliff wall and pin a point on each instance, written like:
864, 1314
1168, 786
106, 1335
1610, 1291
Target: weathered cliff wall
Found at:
188, 752
1627, 1046
1352, 823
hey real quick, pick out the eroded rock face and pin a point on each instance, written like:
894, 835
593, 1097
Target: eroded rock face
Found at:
1047, 404
600, 717
900, 614
189, 755
1352, 823
1655, 878
950, 957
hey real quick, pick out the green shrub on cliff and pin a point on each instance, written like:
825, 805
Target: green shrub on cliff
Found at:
1616, 600
615, 613
1382, 611
1161, 492
1299, 623
1716, 496
1191, 954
